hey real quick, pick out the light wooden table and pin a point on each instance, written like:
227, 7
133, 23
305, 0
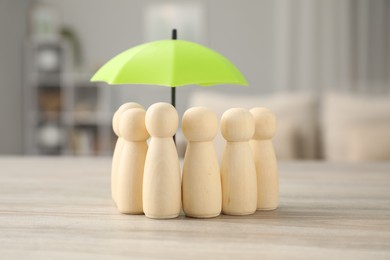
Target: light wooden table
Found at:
61, 208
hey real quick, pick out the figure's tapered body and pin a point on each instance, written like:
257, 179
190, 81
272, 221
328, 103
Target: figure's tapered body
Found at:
201, 184
162, 193
265, 159
238, 172
131, 163
119, 144
130, 177
114, 167
238, 179
162, 181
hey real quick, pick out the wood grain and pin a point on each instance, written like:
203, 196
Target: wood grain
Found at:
62, 208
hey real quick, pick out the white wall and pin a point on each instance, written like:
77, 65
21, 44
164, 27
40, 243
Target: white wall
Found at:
337, 45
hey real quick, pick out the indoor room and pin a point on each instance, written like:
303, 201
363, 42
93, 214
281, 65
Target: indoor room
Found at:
315, 72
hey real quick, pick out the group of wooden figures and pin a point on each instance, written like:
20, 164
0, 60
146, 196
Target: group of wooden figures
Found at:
146, 179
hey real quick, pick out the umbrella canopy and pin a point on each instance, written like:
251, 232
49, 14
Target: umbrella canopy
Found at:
171, 63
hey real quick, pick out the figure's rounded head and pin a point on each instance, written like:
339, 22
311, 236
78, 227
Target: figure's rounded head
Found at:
132, 125
265, 123
199, 124
162, 120
237, 125
118, 113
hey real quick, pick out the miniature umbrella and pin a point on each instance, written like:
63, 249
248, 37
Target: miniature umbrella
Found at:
171, 63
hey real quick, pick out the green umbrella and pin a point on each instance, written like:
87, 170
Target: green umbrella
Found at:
171, 63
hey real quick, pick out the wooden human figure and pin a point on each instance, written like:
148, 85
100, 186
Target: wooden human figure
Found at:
119, 143
239, 184
162, 181
265, 159
132, 160
201, 180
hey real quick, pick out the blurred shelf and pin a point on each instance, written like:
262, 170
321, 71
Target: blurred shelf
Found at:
64, 113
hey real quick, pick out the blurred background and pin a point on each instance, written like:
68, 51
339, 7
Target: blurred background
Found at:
322, 66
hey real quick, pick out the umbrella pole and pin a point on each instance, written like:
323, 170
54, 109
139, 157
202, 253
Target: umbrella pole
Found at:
173, 102
173, 89
173, 96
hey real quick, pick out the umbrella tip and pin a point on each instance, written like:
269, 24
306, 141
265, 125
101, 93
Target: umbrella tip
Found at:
174, 34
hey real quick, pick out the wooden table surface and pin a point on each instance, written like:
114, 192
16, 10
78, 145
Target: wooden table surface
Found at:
60, 208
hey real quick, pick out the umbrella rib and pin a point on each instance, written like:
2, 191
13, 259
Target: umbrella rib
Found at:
124, 63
